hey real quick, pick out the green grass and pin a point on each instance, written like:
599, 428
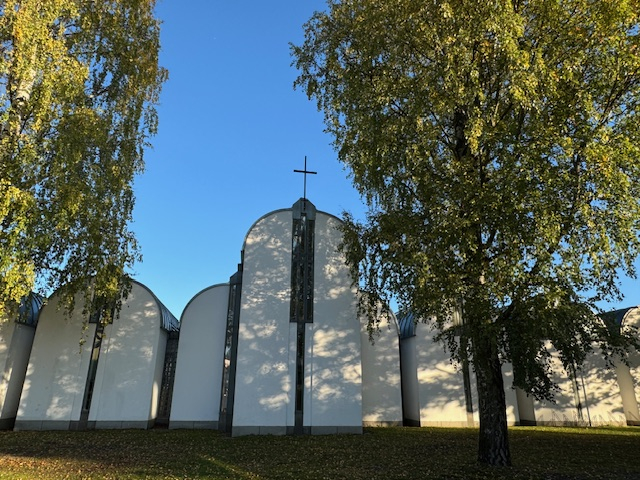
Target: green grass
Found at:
380, 453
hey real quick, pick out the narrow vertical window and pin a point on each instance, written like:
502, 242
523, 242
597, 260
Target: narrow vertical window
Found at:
230, 354
93, 367
302, 259
168, 377
99, 319
301, 308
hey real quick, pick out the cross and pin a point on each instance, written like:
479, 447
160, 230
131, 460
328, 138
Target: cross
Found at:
305, 172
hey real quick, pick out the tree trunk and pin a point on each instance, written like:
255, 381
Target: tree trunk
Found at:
493, 446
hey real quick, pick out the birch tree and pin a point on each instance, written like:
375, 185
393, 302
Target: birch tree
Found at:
497, 145
79, 80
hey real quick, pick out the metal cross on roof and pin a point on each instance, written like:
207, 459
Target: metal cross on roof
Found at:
305, 172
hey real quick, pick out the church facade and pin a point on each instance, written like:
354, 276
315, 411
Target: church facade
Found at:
112, 379
279, 348
289, 338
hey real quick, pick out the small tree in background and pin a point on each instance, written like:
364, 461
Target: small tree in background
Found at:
497, 145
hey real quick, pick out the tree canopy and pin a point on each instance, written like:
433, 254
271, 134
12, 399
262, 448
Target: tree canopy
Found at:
497, 145
79, 81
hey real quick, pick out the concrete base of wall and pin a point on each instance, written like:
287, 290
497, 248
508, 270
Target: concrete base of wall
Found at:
238, 431
76, 425
193, 425
526, 423
410, 422
455, 424
394, 423
42, 425
7, 423
123, 424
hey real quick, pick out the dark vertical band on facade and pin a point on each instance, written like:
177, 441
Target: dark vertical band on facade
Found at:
91, 375
302, 259
168, 377
230, 353
302, 285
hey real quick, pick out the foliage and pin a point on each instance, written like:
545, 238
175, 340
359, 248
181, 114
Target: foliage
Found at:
408, 453
497, 144
78, 83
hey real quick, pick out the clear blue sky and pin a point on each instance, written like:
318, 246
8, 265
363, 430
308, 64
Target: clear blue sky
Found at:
232, 130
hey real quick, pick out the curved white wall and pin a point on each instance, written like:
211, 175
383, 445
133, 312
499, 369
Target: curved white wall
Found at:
601, 392
198, 380
381, 383
264, 379
564, 409
593, 398
55, 381
335, 361
433, 387
128, 376
16, 340
129, 371
264, 395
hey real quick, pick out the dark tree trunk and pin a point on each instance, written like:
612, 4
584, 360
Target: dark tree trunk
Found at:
493, 446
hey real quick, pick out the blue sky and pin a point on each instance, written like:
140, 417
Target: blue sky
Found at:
232, 130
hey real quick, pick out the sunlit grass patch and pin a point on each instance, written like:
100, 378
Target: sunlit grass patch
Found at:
380, 453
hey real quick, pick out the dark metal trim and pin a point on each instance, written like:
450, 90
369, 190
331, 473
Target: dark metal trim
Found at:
227, 393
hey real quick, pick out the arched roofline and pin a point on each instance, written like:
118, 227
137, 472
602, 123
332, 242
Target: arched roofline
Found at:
168, 320
407, 325
384, 307
30, 308
616, 318
626, 314
211, 287
280, 210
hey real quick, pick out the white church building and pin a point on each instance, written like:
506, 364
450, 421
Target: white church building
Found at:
282, 341
84, 374
437, 392
592, 394
279, 348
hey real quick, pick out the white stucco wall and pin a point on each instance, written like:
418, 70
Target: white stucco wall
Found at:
130, 367
441, 385
510, 397
265, 377
198, 380
600, 384
15, 347
629, 376
565, 409
264, 381
433, 387
55, 380
381, 383
596, 390
336, 366
410, 386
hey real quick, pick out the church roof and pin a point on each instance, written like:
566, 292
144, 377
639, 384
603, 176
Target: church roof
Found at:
617, 315
168, 321
615, 319
29, 309
407, 325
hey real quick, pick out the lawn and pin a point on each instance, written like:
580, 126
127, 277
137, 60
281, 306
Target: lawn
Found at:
380, 453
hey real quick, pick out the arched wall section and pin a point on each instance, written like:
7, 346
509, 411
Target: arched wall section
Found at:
196, 392
128, 371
